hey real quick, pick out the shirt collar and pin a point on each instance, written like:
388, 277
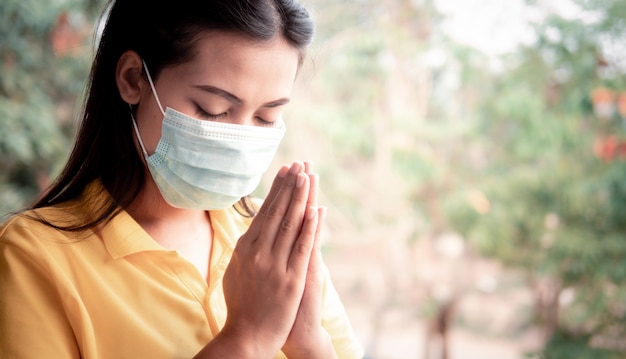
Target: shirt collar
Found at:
122, 235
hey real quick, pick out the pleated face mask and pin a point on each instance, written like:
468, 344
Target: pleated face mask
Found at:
208, 165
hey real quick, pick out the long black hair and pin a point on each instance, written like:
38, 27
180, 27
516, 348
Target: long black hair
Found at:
163, 33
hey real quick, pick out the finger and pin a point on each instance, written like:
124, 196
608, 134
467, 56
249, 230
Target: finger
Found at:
316, 256
303, 247
314, 272
314, 180
308, 167
278, 181
257, 223
312, 296
275, 214
322, 211
293, 220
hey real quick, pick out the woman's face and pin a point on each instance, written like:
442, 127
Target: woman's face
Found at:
230, 79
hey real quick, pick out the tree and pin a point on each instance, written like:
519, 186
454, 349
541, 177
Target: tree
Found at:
44, 57
556, 205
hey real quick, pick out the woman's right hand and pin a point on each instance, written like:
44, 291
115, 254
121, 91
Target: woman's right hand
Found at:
264, 282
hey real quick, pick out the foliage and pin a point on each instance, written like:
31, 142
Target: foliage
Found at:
44, 57
565, 346
556, 205
506, 158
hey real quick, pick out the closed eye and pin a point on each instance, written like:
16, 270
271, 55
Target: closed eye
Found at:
265, 123
209, 116
202, 114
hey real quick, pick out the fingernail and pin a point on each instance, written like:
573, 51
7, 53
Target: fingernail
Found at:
308, 166
300, 180
295, 167
311, 212
282, 172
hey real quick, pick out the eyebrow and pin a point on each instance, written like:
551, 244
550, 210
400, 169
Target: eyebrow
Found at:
236, 100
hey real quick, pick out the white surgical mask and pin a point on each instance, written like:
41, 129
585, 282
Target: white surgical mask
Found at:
206, 164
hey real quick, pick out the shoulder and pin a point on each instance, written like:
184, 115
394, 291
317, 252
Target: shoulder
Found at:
31, 250
57, 224
40, 225
28, 243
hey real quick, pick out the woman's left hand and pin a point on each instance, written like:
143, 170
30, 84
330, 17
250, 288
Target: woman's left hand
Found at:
308, 339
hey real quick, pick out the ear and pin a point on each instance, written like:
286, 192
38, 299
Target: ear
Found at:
128, 77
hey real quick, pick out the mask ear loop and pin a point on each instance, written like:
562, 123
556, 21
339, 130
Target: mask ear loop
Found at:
152, 86
143, 149
156, 97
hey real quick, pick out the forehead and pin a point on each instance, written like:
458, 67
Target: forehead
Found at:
232, 60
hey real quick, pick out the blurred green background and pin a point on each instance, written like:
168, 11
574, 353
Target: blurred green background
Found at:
472, 154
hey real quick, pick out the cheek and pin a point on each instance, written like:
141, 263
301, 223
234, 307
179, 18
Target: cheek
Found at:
149, 122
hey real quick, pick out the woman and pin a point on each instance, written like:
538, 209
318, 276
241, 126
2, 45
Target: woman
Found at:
147, 246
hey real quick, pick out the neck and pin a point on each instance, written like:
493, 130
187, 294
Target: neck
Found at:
185, 230
150, 208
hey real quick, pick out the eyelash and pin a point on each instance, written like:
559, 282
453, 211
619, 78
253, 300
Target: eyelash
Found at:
265, 123
207, 115
201, 112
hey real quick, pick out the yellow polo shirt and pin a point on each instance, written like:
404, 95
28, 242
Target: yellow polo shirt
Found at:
115, 293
